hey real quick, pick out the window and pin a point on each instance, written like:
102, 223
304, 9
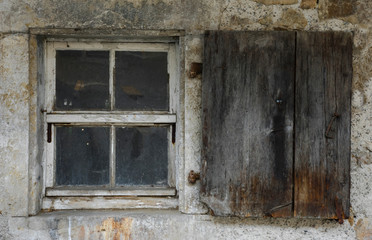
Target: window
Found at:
276, 124
111, 112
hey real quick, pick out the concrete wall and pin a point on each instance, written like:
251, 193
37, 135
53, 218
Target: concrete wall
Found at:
20, 141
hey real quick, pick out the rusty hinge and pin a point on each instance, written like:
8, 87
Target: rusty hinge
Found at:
193, 177
195, 69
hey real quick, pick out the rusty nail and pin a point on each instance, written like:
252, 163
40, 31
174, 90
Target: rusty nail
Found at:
193, 176
335, 115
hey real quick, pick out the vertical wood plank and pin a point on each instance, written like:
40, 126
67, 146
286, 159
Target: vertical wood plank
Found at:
323, 88
248, 110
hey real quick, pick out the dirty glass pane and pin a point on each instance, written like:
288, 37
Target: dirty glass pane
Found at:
141, 81
82, 80
82, 156
141, 156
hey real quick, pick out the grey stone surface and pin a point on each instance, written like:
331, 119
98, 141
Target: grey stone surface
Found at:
14, 97
141, 224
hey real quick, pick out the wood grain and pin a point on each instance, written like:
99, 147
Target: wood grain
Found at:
248, 110
323, 88
257, 88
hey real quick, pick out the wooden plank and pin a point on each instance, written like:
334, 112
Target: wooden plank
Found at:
248, 104
75, 203
111, 118
323, 87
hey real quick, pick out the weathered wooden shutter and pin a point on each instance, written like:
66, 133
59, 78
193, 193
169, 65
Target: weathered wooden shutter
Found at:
323, 95
248, 110
258, 87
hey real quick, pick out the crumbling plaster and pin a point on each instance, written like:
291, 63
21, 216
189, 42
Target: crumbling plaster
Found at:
19, 123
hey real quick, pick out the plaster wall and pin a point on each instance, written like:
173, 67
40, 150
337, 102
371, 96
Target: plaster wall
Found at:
19, 108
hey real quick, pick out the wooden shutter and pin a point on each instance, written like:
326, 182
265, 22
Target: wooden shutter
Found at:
258, 87
323, 88
248, 105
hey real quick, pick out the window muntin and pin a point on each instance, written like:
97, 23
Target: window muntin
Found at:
92, 101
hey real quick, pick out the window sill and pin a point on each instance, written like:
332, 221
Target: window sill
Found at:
78, 203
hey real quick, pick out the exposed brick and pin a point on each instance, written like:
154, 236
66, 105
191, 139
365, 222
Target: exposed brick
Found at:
274, 2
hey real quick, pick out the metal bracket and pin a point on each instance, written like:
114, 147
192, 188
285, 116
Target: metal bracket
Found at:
173, 133
49, 133
44, 111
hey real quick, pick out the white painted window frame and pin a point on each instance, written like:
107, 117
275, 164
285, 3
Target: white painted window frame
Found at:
112, 118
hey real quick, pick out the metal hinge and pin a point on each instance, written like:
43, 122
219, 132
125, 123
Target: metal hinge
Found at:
193, 177
195, 69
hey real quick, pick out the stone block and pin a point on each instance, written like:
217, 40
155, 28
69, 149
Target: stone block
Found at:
340, 8
277, 2
308, 4
291, 19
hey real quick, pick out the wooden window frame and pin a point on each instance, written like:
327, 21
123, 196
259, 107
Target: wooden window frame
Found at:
110, 118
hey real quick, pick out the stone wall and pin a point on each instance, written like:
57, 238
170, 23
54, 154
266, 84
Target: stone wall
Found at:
19, 123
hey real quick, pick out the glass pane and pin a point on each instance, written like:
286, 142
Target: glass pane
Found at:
82, 155
82, 80
141, 81
141, 156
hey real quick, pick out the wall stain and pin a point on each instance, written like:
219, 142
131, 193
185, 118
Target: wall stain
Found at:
116, 229
82, 233
363, 230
